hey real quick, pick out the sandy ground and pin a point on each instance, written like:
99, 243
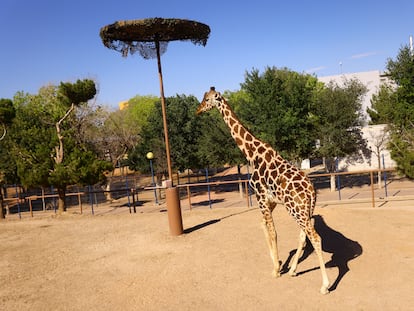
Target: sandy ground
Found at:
121, 261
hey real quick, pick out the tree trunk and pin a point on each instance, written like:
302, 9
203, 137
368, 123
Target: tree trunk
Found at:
61, 200
59, 149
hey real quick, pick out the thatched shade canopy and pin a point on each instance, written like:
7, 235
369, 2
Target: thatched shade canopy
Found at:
140, 35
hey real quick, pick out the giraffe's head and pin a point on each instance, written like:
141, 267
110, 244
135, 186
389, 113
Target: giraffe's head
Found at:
210, 100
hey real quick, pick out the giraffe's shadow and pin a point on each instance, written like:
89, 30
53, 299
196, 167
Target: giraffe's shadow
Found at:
342, 249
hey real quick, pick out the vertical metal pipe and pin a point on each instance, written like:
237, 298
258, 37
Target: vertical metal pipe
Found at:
189, 197
172, 195
30, 207
18, 202
385, 177
80, 202
133, 199
372, 188
174, 211
247, 193
164, 112
91, 199
338, 179
208, 188
153, 182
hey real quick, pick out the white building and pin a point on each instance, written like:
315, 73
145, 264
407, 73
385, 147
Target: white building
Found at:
371, 79
374, 134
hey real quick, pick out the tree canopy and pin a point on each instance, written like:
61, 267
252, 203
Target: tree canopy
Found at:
394, 105
184, 131
338, 120
7, 114
42, 121
277, 108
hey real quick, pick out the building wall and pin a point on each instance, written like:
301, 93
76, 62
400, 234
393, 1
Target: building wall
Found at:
371, 79
376, 135
372, 133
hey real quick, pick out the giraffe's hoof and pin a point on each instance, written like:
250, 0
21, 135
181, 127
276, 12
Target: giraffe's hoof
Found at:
292, 273
276, 274
324, 290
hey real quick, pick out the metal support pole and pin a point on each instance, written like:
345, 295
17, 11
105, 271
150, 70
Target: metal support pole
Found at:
153, 182
189, 197
247, 194
133, 200
338, 179
172, 194
91, 199
30, 207
174, 211
208, 188
164, 112
18, 202
80, 202
385, 177
372, 188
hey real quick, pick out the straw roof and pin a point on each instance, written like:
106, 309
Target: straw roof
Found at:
132, 35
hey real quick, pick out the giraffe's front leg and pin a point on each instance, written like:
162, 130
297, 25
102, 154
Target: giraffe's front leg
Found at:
271, 238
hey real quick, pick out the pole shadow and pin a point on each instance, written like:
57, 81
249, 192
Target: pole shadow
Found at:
216, 220
207, 202
342, 249
201, 226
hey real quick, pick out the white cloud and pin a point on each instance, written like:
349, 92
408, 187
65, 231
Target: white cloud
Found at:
363, 55
315, 69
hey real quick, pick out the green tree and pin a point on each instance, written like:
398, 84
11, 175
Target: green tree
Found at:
394, 105
47, 149
277, 110
184, 131
33, 137
215, 145
120, 131
338, 120
139, 109
69, 96
7, 114
382, 105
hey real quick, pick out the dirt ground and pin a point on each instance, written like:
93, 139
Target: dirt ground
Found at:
122, 261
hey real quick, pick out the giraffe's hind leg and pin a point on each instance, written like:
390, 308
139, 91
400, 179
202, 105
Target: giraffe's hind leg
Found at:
270, 234
317, 245
298, 254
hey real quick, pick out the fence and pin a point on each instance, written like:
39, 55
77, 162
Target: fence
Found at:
343, 180
133, 194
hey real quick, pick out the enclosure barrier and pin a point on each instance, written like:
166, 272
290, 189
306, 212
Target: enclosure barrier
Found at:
217, 183
189, 189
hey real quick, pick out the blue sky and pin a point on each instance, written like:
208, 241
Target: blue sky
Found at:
47, 41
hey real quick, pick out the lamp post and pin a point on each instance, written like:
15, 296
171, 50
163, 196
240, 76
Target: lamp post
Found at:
150, 156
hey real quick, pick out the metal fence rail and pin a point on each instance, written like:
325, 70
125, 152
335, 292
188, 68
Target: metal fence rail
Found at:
33, 202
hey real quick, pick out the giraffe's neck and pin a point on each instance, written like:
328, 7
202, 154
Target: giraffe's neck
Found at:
245, 140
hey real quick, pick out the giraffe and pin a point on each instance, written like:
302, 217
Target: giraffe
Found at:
274, 180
